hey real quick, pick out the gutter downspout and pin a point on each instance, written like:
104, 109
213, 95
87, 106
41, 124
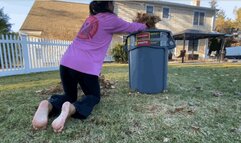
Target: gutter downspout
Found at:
214, 20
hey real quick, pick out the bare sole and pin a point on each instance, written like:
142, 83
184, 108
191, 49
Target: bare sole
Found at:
40, 119
59, 122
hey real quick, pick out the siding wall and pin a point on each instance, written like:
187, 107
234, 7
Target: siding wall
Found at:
180, 19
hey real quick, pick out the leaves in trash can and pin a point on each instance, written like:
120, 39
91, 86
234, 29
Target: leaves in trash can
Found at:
145, 18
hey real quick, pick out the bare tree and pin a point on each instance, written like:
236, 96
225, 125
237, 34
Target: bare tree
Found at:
213, 4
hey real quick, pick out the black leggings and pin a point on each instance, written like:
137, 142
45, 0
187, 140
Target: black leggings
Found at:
89, 84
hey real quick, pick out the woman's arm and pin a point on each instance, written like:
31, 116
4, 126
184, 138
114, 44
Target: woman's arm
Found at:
117, 25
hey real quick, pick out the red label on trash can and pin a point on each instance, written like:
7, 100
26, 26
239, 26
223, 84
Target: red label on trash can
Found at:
143, 39
143, 35
144, 43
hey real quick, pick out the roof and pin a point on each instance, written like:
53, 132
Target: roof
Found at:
192, 34
62, 20
56, 19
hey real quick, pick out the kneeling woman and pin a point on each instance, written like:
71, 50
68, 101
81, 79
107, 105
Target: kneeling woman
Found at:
81, 64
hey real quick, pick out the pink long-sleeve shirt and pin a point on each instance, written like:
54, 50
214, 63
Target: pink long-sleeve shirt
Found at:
87, 52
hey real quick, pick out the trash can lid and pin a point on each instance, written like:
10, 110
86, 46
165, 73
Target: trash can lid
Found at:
152, 40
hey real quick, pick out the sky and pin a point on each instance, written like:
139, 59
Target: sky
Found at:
17, 10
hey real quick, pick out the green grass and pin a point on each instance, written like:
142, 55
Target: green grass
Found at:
188, 112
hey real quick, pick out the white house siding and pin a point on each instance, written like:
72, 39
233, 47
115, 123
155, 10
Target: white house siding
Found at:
181, 18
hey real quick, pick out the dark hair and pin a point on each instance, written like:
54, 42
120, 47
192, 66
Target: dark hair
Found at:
99, 7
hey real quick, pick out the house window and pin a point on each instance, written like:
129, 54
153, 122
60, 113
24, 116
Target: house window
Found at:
201, 20
198, 18
165, 12
193, 45
149, 9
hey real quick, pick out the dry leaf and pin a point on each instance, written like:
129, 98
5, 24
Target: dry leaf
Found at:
112, 87
238, 93
190, 111
152, 108
216, 110
233, 130
145, 18
166, 140
38, 91
217, 93
191, 104
179, 109
165, 91
198, 87
105, 86
195, 128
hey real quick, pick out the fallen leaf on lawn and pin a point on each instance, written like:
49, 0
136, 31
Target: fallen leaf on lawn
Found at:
239, 129
191, 104
198, 87
166, 140
216, 110
152, 108
233, 130
9, 110
238, 93
234, 80
217, 93
38, 91
195, 128
179, 109
112, 87
190, 111
105, 86
165, 91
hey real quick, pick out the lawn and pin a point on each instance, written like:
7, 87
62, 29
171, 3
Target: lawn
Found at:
202, 105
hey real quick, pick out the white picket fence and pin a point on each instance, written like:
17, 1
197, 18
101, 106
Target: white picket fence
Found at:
21, 54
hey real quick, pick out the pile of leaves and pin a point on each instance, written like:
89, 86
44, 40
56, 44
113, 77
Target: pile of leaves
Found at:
105, 87
145, 18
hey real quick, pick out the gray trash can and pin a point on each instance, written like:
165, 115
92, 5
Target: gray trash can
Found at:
148, 59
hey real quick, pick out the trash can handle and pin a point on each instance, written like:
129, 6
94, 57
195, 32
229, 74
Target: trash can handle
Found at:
152, 47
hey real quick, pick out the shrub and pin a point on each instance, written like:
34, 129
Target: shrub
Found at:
119, 54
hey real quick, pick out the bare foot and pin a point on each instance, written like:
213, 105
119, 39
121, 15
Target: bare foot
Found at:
40, 119
67, 110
